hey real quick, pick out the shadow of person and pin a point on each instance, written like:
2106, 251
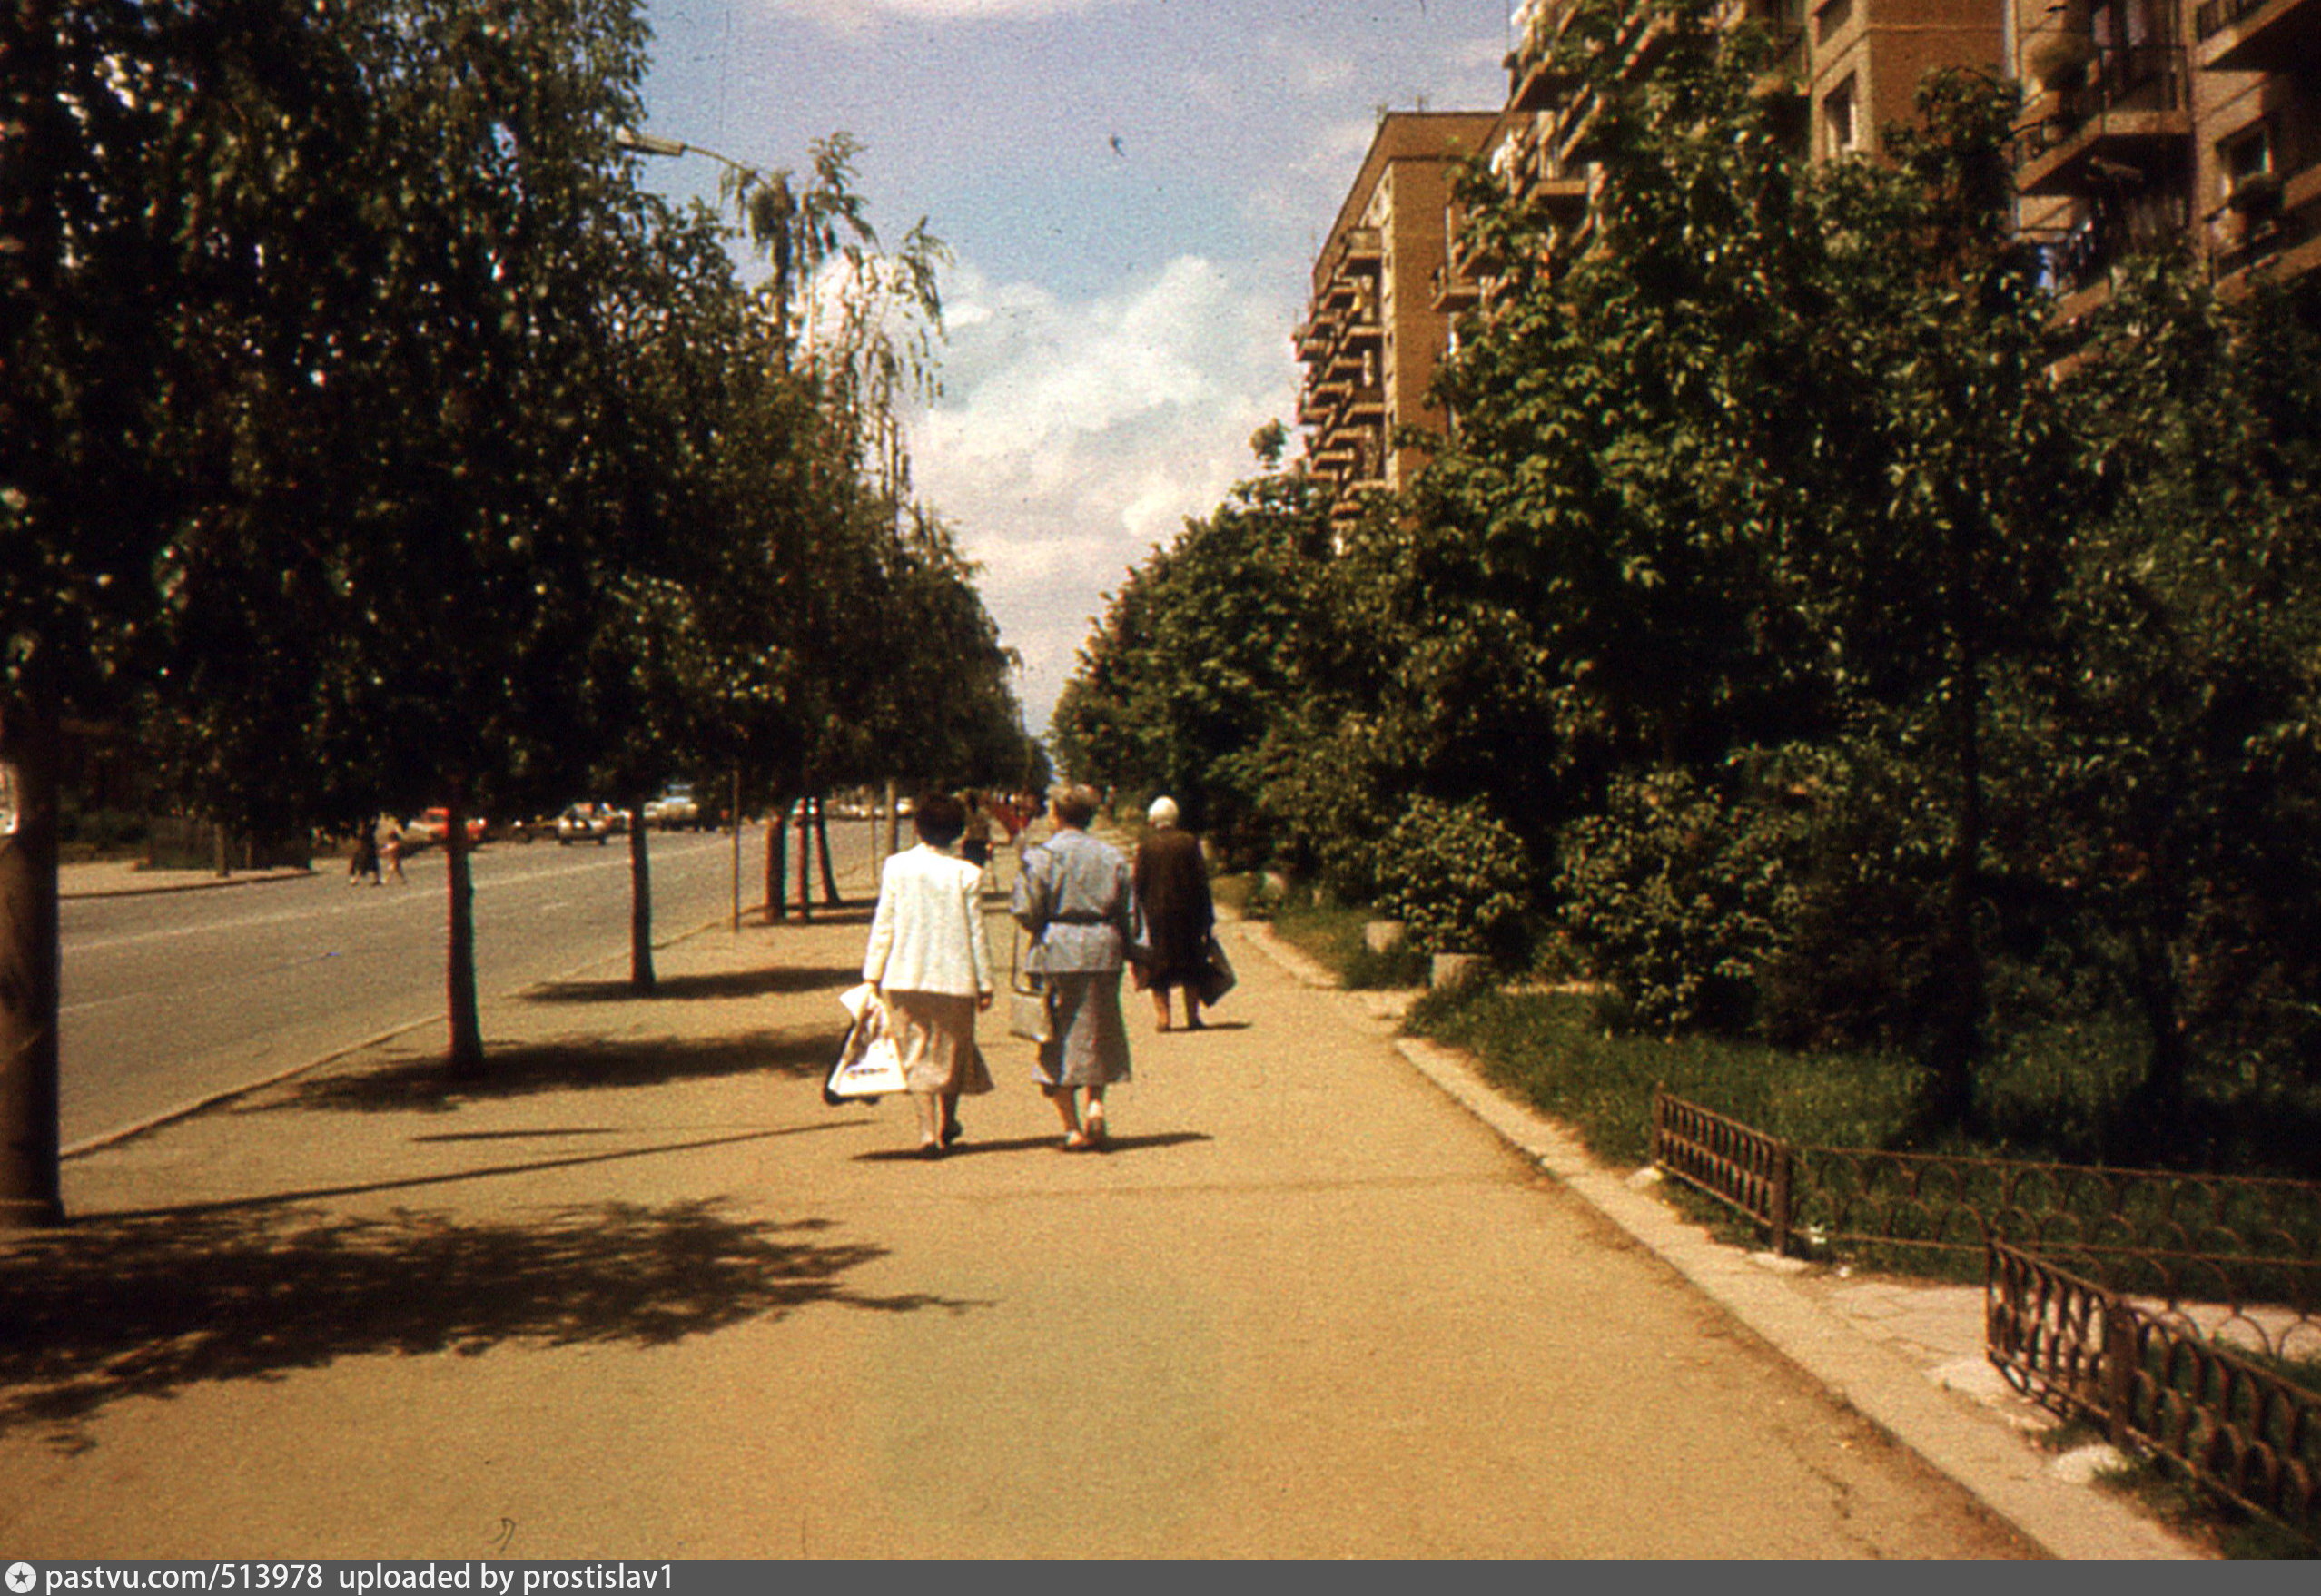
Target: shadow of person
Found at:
1115, 1143
967, 1148
148, 1303
970, 1147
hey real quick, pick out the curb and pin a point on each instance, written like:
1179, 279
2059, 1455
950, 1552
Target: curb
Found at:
210, 883
1976, 1452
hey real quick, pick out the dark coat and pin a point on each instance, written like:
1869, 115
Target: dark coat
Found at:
1172, 884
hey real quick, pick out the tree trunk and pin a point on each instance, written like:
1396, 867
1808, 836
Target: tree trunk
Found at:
893, 820
777, 863
640, 901
2159, 993
829, 897
1957, 1041
30, 968
805, 862
467, 1053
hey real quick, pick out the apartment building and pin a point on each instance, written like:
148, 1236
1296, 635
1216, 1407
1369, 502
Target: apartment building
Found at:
2143, 120
1845, 71
2147, 119
1374, 333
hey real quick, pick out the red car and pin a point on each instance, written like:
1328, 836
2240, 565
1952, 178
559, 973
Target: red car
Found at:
434, 825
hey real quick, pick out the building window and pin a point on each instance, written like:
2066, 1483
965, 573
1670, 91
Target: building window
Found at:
1838, 119
2245, 159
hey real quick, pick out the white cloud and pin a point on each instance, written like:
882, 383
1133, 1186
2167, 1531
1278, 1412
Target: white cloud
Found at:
1294, 64
861, 16
1075, 435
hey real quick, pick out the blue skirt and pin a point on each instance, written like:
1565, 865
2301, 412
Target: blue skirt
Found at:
1090, 1045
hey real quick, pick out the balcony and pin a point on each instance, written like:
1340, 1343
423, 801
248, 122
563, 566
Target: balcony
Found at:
2128, 123
1451, 293
2076, 258
2277, 234
1564, 200
2258, 36
1536, 79
1360, 248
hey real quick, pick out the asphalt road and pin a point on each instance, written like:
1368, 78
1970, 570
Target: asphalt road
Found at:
173, 997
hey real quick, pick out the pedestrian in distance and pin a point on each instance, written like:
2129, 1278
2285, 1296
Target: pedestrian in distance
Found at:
1077, 900
389, 836
975, 841
1172, 888
362, 864
929, 962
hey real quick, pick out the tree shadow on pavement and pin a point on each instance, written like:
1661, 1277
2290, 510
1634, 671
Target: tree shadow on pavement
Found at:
577, 1064
146, 1305
823, 914
737, 983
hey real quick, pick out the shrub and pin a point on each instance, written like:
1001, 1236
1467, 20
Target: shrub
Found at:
1324, 800
1458, 879
1679, 896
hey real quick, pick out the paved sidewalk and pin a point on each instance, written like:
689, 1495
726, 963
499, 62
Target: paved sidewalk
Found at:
123, 877
642, 1293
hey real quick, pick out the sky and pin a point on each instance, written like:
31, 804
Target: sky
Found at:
1133, 192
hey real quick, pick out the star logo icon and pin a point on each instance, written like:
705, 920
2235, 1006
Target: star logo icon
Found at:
22, 1578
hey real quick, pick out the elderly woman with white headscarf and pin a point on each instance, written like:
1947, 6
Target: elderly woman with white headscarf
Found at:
1172, 886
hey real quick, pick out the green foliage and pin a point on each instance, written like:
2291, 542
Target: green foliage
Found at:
1196, 662
1892, 667
1554, 1050
1679, 894
1458, 879
369, 440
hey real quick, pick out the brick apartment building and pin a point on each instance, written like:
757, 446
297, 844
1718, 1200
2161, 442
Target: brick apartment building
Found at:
2149, 120
1373, 335
2144, 121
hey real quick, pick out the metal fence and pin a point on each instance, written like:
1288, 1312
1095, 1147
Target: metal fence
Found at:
2158, 1383
2265, 1234
2205, 1280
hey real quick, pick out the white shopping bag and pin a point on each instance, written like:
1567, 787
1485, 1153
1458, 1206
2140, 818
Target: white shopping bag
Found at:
868, 1065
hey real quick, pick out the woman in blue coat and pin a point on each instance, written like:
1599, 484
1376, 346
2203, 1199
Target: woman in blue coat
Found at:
1076, 898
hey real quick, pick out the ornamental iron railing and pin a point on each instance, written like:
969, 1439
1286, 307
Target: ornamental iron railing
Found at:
2263, 1235
2158, 1383
2205, 1281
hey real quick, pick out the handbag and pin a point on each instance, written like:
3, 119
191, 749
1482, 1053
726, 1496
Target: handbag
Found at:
1217, 976
1028, 1014
869, 1064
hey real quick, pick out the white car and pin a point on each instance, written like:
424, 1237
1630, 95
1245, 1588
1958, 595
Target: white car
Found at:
673, 810
585, 822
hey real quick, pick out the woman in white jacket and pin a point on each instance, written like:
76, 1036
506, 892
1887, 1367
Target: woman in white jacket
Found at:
930, 963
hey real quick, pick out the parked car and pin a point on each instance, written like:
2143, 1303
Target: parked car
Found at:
585, 822
528, 828
673, 810
435, 824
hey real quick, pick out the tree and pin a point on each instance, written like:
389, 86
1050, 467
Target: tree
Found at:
1196, 660
427, 549
129, 137
2182, 744
1770, 458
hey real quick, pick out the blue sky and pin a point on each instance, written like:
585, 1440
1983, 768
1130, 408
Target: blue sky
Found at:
1134, 189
